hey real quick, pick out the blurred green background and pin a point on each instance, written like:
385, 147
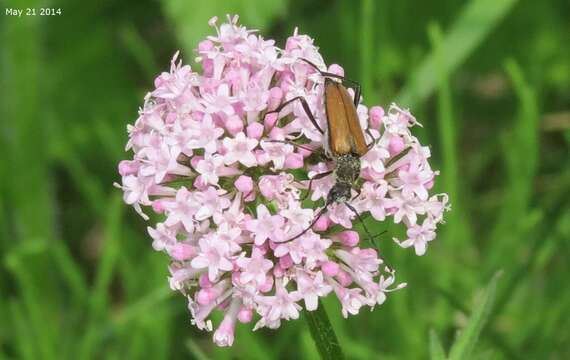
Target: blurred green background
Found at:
489, 80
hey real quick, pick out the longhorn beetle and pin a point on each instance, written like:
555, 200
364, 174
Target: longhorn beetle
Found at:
345, 139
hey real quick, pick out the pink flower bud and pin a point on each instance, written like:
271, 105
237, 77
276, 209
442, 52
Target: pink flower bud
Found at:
127, 167
224, 335
244, 184
291, 44
369, 253
344, 278
277, 133
205, 45
391, 210
275, 96
254, 130
158, 206
204, 281
195, 160
294, 161
267, 285
236, 275
285, 261
396, 145
278, 271
267, 188
234, 125
330, 268
270, 120
250, 196
203, 297
198, 115
208, 67
322, 224
349, 238
286, 79
245, 315
336, 69
200, 184
376, 113
304, 152
182, 251
171, 117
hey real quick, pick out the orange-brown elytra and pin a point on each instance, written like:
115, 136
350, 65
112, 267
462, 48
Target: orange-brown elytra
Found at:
346, 142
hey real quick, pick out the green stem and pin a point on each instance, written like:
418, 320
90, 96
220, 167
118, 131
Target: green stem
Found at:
323, 334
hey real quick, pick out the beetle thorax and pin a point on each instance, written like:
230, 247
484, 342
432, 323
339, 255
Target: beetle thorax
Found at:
346, 173
347, 168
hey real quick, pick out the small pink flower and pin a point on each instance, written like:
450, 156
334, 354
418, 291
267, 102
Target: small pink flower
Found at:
276, 152
254, 268
374, 198
351, 299
213, 255
374, 159
419, 236
182, 210
210, 202
414, 180
265, 226
311, 288
240, 149
210, 168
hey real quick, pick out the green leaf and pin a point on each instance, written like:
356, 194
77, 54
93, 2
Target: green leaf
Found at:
436, 351
463, 347
323, 334
476, 21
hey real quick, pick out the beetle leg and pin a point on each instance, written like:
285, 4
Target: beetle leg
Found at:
319, 214
374, 141
316, 177
358, 192
353, 84
300, 146
305, 107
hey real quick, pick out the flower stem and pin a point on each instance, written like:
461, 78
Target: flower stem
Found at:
323, 334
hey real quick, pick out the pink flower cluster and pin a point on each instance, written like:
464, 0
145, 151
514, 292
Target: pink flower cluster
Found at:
229, 195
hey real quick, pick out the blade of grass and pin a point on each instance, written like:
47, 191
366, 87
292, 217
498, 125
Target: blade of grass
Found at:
456, 227
100, 295
490, 335
40, 321
436, 351
70, 271
24, 343
308, 346
139, 49
464, 345
195, 350
191, 19
476, 21
520, 149
323, 334
144, 305
366, 47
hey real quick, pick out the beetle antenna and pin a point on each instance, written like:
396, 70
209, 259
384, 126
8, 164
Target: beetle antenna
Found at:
319, 214
368, 233
362, 222
312, 64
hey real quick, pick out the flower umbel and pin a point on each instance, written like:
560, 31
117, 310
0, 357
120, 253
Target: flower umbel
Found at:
219, 174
